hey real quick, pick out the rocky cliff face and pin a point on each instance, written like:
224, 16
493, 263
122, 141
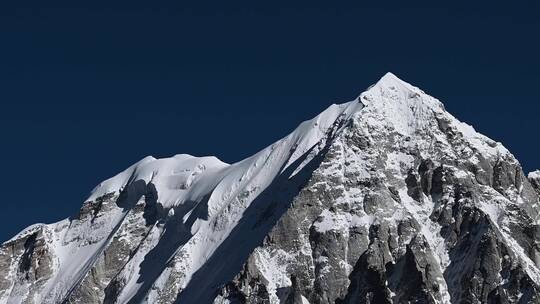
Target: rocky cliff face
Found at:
386, 199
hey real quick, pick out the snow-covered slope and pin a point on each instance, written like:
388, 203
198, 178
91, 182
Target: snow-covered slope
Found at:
339, 210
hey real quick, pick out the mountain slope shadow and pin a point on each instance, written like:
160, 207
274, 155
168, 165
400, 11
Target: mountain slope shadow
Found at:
127, 199
256, 222
175, 233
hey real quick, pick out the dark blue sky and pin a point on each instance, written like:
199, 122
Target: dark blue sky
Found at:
87, 90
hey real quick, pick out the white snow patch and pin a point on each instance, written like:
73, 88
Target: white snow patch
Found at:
398, 160
273, 268
431, 232
330, 221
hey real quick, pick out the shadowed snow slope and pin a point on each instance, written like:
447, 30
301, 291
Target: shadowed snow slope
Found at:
385, 199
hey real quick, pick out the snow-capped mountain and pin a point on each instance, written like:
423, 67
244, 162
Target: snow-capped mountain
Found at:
385, 199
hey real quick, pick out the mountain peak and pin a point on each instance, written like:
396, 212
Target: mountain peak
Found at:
400, 103
389, 76
390, 82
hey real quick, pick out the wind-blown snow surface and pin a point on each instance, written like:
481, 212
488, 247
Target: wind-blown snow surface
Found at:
196, 230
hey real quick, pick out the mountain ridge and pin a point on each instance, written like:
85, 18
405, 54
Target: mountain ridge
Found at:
196, 230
